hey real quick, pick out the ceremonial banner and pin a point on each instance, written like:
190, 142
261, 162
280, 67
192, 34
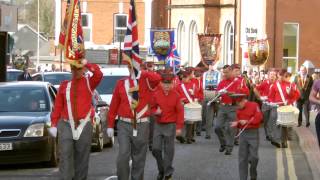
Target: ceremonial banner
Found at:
71, 35
258, 51
161, 42
210, 47
174, 60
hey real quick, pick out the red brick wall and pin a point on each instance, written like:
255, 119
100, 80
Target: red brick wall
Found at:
297, 11
102, 16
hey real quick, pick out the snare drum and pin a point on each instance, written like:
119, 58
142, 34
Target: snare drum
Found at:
287, 116
192, 112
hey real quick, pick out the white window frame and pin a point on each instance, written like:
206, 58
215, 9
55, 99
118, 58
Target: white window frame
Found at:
89, 18
193, 31
115, 41
297, 43
181, 41
228, 54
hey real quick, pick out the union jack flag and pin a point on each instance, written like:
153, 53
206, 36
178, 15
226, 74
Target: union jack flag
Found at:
174, 60
131, 43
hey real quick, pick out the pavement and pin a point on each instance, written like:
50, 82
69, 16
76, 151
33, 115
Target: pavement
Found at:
308, 142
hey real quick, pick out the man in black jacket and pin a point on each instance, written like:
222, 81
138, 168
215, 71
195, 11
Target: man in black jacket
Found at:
304, 84
25, 76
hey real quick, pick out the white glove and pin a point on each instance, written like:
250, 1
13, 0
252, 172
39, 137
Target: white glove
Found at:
110, 132
191, 91
263, 98
53, 131
222, 91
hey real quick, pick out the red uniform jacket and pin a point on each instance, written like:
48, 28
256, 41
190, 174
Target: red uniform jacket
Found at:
264, 88
120, 103
198, 84
192, 90
251, 112
171, 107
83, 96
236, 87
290, 93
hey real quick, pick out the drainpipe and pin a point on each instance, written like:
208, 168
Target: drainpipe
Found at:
235, 30
274, 32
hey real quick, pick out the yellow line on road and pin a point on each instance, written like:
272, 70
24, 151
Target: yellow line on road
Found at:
291, 168
280, 168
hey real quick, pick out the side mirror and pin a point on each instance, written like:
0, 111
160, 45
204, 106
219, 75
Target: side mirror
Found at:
102, 104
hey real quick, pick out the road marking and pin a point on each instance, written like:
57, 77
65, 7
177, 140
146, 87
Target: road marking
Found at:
111, 177
280, 168
290, 161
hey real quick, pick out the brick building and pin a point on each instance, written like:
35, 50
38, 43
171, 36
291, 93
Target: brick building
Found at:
289, 27
105, 23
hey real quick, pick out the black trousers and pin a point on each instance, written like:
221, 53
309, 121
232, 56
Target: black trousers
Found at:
304, 108
317, 122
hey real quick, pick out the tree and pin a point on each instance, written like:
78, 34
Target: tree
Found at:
28, 14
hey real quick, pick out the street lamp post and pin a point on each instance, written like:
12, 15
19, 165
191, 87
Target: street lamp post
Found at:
38, 43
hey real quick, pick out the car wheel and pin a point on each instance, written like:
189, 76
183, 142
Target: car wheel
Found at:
54, 160
100, 140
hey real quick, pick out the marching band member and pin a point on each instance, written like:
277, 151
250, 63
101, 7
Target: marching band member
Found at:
188, 93
168, 109
71, 117
262, 92
281, 93
227, 109
248, 121
198, 82
210, 78
236, 71
132, 144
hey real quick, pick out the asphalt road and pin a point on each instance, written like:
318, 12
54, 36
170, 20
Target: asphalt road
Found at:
199, 161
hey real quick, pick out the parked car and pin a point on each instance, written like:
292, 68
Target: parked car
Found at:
110, 77
54, 78
12, 74
25, 109
100, 138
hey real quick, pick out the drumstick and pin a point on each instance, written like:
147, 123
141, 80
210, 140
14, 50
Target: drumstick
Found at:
244, 128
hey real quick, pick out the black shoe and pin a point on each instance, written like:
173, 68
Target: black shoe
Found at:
160, 176
308, 124
236, 142
150, 147
198, 133
299, 125
228, 152
284, 145
268, 138
253, 179
168, 177
193, 140
275, 144
222, 148
208, 137
189, 141
181, 139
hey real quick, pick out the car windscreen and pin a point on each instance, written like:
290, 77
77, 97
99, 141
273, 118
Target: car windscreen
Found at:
107, 84
13, 75
23, 99
56, 79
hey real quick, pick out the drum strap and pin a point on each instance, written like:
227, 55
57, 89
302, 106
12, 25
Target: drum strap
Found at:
186, 93
76, 132
281, 93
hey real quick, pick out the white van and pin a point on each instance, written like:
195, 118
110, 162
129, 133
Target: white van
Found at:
111, 75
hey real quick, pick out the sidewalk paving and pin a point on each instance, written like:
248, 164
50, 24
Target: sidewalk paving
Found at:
309, 144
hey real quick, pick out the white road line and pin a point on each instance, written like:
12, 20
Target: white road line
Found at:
291, 168
111, 177
280, 168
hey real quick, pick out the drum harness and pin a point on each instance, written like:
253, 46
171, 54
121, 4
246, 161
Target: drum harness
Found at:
221, 92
